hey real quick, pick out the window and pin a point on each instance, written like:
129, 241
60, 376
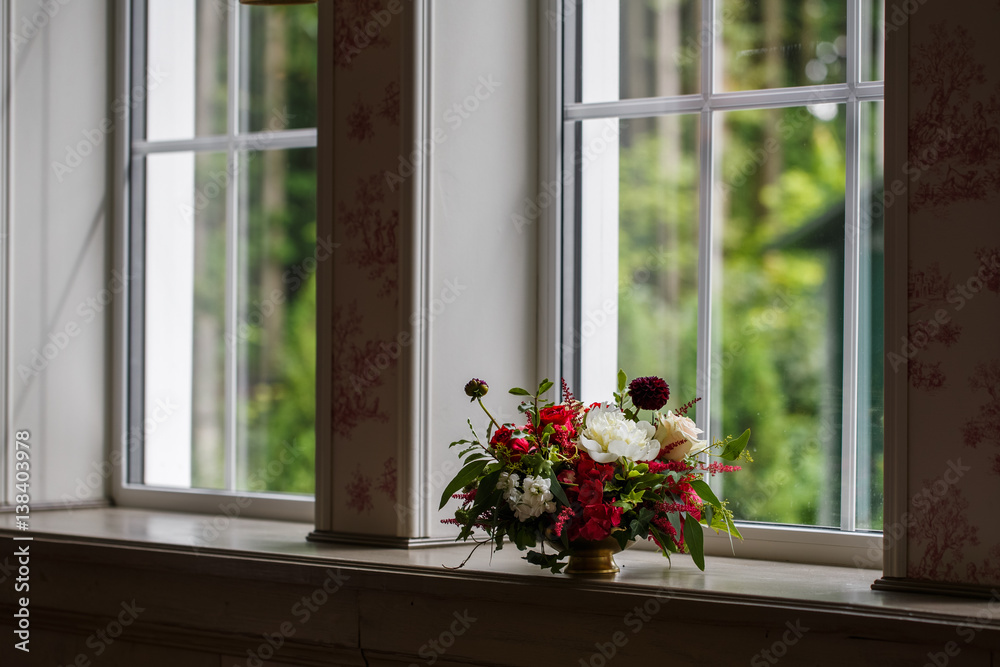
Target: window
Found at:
222, 252
723, 229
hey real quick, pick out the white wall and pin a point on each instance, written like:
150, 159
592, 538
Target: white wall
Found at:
485, 60
60, 291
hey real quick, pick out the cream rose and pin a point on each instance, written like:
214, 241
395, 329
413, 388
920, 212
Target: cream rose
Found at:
671, 428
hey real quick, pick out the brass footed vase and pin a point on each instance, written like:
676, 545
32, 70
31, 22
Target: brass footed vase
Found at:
592, 558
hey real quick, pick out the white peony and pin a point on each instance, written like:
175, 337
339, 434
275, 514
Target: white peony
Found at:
535, 499
673, 428
608, 435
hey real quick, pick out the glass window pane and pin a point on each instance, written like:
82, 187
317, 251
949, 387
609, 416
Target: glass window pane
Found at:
185, 305
782, 43
873, 40
778, 303
658, 252
275, 332
187, 70
279, 51
871, 350
640, 49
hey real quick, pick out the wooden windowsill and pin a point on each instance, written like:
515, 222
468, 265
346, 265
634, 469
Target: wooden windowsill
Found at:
725, 581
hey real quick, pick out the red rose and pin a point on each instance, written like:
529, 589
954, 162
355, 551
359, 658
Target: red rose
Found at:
504, 439
598, 520
558, 416
591, 492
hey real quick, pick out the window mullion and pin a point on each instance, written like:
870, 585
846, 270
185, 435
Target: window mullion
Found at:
852, 277
232, 248
706, 240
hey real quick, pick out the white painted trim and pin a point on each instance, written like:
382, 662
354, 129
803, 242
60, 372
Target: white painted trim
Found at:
550, 173
416, 262
730, 101
278, 139
5, 254
121, 205
852, 279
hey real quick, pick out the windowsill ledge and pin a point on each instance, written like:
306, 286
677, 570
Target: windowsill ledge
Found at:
759, 583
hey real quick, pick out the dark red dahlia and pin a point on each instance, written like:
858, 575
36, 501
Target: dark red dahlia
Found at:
649, 393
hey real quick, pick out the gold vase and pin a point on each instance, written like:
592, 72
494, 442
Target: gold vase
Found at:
592, 557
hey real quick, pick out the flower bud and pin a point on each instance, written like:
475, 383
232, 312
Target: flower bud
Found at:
476, 388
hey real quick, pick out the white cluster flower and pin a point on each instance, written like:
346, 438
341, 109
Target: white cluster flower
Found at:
535, 498
609, 435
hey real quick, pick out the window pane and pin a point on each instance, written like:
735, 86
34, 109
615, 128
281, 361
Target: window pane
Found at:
185, 305
871, 350
280, 68
782, 43
640, 49
658, 252
778, 308
873, 40
275, 331
186, 57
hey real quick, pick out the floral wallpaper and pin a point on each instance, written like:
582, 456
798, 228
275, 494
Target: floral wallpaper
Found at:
952, 352
365, 412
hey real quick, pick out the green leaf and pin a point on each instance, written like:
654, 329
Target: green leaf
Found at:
465, 476
735, 447
546, 561
705, 492
622, 380
733, 530
545, 386
556, 488
517, 391
695, 541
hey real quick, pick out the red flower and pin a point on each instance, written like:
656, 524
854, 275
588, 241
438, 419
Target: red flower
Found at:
558, 416
587, 468
598, 520
649, 393
504, 439
591, 492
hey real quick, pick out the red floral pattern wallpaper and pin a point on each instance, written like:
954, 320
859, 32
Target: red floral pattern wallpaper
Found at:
952, 351
365, 414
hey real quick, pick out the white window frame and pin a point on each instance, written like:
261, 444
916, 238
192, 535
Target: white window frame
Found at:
558, 353
128, 176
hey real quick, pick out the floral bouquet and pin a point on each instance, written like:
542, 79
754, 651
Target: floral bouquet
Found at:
573, 475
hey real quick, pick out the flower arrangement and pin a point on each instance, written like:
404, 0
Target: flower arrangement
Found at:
575, 474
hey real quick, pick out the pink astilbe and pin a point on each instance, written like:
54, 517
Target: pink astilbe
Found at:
563, 520
715, 467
